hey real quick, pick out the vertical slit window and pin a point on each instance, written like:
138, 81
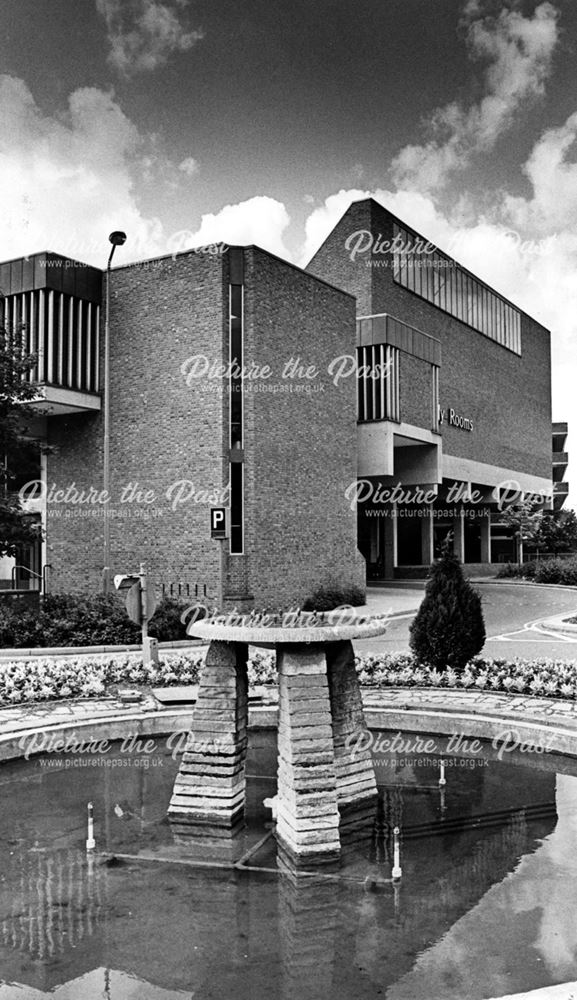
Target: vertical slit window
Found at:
236, 360
236, 349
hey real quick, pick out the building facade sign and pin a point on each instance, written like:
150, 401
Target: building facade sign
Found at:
455, 419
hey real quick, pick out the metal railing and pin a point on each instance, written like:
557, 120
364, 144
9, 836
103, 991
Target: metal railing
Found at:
37, 581
184, 589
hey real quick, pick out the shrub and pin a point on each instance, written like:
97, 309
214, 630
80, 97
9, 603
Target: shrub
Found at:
514, 571
165, 625
330, 597
563, 571
557, 571
85, 620
449, 628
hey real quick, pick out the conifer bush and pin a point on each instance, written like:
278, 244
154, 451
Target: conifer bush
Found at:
449, 628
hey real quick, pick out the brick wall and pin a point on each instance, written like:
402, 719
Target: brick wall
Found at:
300, 445
332, 261
162, 431
416, 383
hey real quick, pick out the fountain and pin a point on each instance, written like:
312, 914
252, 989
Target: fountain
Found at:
321, 780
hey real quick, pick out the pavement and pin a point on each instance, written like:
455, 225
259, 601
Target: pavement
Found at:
395, 598
522, 619
531, 725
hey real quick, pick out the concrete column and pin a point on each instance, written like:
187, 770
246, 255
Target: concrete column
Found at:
354, 768
485, 525
307, 812
427, 538
390, 540
459, 536
209, 791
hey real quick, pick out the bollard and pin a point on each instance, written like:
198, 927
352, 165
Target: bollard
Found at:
397, 870
90, 841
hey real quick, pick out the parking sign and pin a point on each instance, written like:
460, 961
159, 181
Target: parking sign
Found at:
219, 522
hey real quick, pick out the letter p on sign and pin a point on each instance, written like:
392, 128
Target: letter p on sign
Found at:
219, 522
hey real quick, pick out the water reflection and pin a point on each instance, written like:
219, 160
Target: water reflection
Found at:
485, 905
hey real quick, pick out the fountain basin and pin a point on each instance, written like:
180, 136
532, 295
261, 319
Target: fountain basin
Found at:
282, 635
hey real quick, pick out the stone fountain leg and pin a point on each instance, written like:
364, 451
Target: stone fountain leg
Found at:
209, 791
356, 782
307, 812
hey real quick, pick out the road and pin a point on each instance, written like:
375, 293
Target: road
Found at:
511, 611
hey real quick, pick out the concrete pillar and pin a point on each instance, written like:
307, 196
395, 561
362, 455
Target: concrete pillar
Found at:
427, 538
459, 535
307, 812
390, 540
209, 791
354, 768
485, 525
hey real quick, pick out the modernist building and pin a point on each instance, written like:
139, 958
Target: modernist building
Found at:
462, 418
210, 405
383, 396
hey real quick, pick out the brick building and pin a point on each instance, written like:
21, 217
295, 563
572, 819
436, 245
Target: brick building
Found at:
299, 399
462, 419
202, 414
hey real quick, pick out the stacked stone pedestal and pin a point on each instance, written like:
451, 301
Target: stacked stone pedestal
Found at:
354, 769
326, 781
209, 792
307, 809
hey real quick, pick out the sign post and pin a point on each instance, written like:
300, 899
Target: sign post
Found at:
140, 605
219, 530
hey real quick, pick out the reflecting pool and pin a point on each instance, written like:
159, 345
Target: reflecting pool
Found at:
485, 906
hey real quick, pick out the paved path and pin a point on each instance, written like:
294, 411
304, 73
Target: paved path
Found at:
535, 722
513, 613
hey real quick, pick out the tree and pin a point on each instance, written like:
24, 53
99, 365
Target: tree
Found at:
526, 521
557, 531
16, 449
449, 628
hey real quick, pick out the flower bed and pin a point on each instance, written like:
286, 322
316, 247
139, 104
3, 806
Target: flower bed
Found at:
51, 678
542, 677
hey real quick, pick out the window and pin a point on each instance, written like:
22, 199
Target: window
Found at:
378, 383
441, 281
236, 347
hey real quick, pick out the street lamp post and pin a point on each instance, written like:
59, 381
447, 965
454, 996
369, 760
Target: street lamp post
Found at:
117, 239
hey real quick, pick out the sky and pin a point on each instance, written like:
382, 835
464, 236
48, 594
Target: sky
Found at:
185, 122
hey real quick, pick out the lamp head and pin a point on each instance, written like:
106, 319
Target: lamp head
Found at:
117, 238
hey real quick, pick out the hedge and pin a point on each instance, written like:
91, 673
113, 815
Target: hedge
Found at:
85, 620
563, 571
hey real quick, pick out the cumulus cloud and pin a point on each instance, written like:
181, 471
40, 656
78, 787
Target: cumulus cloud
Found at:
143, 34
67, 180
518, 52
324, 218
553, 177
261, 220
